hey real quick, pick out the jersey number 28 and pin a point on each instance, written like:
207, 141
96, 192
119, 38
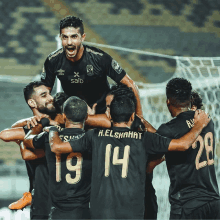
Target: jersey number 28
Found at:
206, 142
124, 161
77, 168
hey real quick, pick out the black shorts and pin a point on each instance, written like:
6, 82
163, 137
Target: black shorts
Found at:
210, 210
78, 213
34, 217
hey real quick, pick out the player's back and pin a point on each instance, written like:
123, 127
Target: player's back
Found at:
119, 171
70, 174
192, 173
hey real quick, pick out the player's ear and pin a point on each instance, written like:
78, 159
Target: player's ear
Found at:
83, 36
32, 103
168, 102
132, 116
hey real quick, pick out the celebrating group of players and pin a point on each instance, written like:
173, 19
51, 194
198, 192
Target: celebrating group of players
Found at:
89, 152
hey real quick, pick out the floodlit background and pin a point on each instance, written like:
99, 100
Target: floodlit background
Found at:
188, 28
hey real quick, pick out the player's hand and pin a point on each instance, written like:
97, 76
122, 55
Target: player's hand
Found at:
92, 111
47, 129
202, 118
33, 121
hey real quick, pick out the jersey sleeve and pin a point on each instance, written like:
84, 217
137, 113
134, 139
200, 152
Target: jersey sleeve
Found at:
83, 144
155, 143
114, 71
47, 75
39, 140
165, 131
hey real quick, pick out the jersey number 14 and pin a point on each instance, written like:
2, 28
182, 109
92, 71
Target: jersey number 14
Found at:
116, 161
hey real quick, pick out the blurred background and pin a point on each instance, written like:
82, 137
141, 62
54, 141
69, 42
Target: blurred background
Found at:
28, 29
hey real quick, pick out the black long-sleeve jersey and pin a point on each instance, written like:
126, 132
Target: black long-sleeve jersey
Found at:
69, 174
192, 173
119, 157
85, 78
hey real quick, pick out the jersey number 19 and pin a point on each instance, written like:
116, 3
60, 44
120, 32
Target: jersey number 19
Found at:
77, 168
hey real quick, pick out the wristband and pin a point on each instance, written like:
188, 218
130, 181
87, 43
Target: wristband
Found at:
45, 122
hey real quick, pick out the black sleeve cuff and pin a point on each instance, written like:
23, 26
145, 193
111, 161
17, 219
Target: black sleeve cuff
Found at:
45, 122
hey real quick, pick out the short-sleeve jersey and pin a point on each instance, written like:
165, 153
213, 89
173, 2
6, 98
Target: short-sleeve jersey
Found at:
85, 78
192, 173
69, 174
119, 157
39, 175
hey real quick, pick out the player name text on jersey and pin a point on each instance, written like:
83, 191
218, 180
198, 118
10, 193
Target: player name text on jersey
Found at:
126, 134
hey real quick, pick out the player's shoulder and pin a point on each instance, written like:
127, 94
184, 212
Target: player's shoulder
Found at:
95, 52
55, 55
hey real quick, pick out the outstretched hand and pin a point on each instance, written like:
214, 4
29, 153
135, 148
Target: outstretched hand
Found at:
33, 121
92, 111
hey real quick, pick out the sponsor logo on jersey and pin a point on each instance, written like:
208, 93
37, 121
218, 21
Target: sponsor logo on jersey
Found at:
43, 74
78, 79
89, 69
60, 72
116, 66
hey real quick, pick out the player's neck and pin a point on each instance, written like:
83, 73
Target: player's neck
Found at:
69, 124
78, 55
121, 125
177, 111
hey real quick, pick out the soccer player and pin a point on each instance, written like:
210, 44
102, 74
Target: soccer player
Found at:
38, 97
83, 70
193, 192
196, 101
69, 174
151, 207
119, 157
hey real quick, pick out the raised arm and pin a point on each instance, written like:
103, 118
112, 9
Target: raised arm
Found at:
130, 83
98, 120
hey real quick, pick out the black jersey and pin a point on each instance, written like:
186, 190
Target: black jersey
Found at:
38, 174
192, 173
69, 174
119, 157
151, 206
85, 78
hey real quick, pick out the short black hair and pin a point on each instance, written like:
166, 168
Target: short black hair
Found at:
58, 100
123, 90
75, 109
178, 91
72, 21
196, 99
29, 88
121, 109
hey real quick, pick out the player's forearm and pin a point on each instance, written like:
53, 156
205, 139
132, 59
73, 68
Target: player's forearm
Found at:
20, 123
12, 134
28, 154
57, 146
99, 120
148, 126
187, 140
153, 163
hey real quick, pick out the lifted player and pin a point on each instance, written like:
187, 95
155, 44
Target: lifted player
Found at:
69, 174
83, 70
193, 192
119, 157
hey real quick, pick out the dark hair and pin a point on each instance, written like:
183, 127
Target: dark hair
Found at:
58, 100
121, 109
123, 90
196, 99
29, 89
178, 91
72, 21
75, 109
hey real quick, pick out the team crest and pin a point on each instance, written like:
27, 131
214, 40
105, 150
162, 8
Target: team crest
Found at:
43, 74
89, 69
116, 66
